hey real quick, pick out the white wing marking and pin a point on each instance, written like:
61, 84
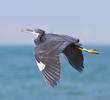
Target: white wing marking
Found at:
41, 66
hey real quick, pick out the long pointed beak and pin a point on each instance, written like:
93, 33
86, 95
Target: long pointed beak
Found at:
30, 31
27, 30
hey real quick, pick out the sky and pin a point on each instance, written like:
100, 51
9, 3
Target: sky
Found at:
88, 20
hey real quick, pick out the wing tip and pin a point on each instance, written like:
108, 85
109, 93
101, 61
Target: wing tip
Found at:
49, 79
80, 69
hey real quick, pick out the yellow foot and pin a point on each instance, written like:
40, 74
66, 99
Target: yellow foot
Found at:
90, 51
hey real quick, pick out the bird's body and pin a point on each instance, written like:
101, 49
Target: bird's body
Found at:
47, 50
54, 37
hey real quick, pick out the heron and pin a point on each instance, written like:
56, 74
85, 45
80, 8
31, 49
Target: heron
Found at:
48, 48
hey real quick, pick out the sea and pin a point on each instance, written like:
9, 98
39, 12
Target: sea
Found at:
20, 78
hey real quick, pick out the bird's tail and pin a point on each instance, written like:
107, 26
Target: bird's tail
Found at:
89, 51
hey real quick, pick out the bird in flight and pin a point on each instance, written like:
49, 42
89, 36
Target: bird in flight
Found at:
47, 50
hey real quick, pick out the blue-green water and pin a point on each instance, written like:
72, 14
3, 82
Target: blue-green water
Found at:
20, 78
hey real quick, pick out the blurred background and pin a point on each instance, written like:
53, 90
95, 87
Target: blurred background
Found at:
88, 20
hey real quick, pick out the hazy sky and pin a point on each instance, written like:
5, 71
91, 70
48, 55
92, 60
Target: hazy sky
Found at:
88, 20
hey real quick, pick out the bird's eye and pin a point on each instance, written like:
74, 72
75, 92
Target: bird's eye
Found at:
77, 40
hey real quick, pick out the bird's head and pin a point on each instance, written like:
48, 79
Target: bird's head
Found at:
37, 32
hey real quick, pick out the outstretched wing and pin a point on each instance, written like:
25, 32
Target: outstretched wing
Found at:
47, 58
74, 56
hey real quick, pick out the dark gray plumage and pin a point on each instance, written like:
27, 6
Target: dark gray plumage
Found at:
49, 46
47, 50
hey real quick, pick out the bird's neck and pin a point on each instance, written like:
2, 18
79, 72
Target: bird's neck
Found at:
40, 39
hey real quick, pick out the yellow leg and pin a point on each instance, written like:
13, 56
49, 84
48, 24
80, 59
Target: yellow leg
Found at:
90, 51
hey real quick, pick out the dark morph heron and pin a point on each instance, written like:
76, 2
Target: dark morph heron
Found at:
49, 46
